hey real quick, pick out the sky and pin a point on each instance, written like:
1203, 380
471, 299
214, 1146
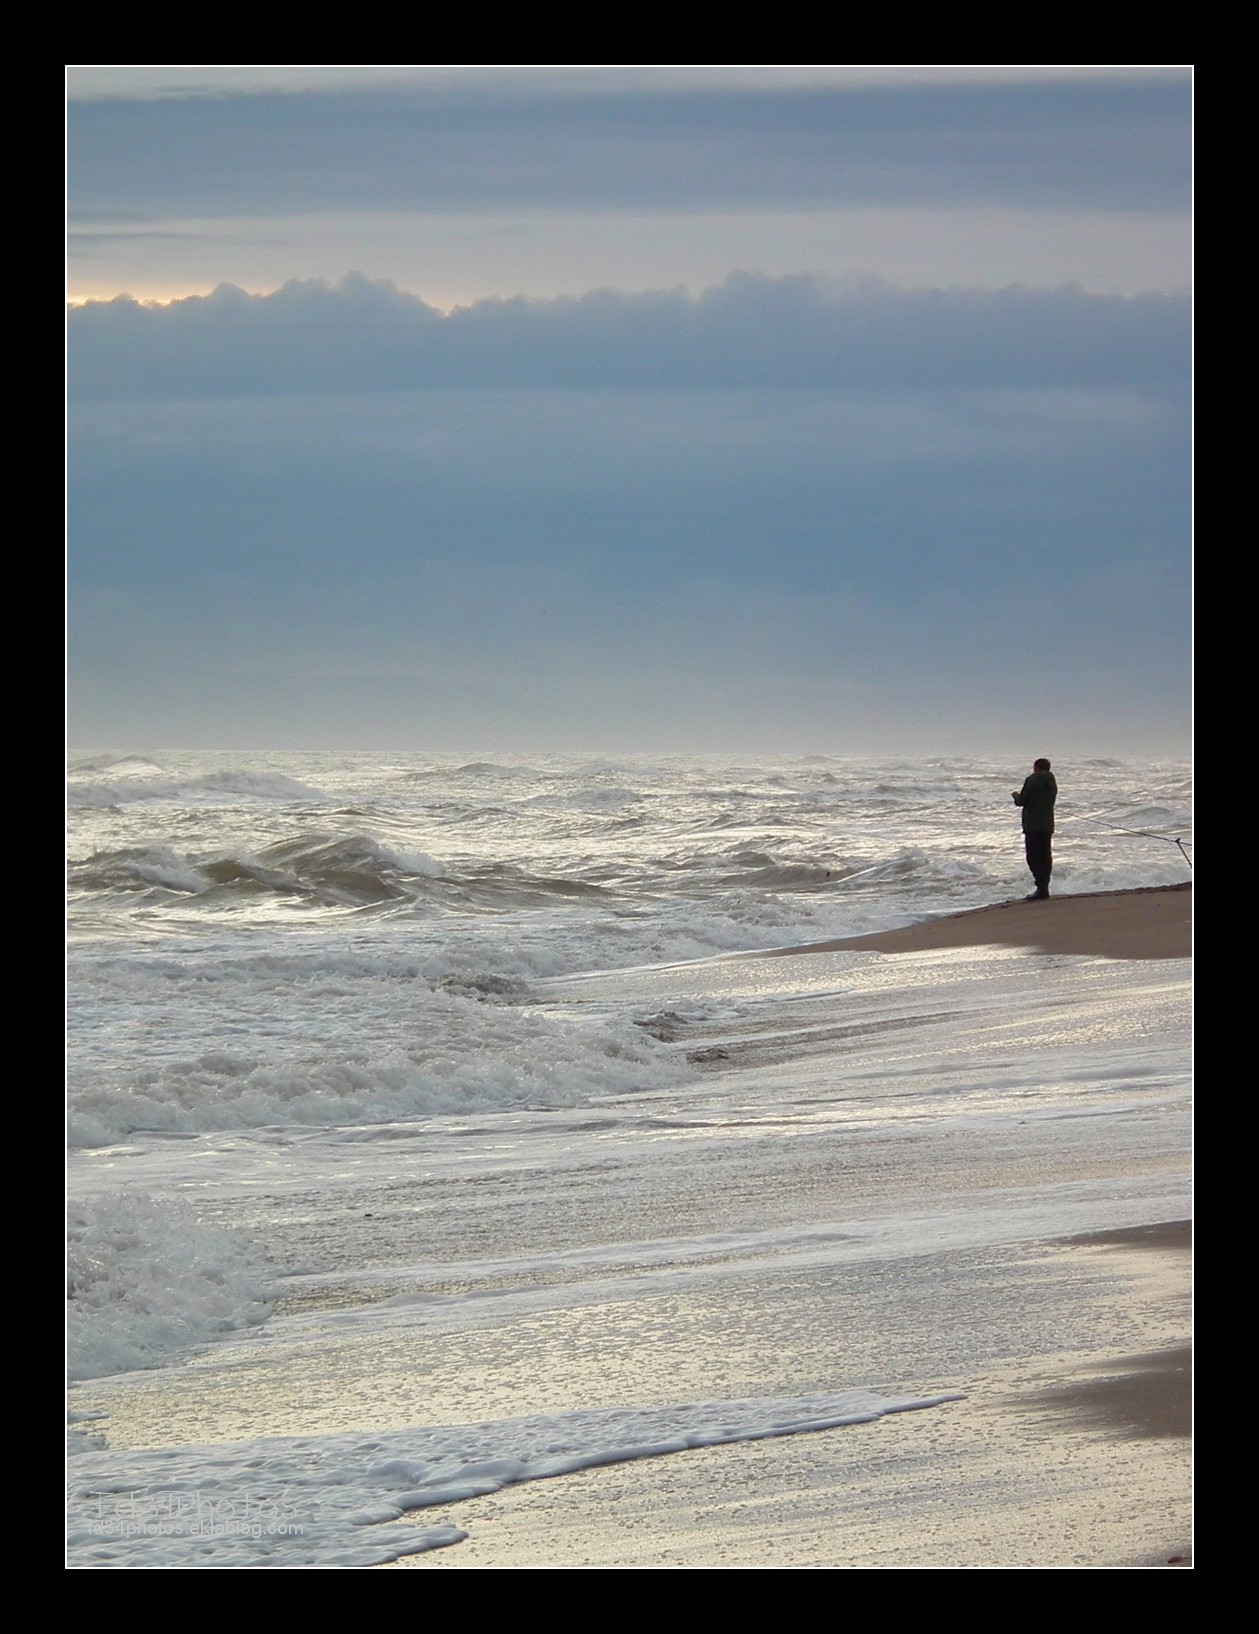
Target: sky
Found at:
629, 408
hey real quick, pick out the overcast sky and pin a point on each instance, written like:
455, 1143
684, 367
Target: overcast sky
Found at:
629, 406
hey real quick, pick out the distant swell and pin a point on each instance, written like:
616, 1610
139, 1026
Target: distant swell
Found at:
146, 783
353, 871
138, 869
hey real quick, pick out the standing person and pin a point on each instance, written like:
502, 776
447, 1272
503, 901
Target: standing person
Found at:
1037, 797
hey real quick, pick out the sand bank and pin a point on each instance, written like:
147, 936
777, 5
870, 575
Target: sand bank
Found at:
1144, 924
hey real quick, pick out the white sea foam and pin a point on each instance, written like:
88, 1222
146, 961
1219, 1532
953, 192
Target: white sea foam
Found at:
242, 1044
329, 1501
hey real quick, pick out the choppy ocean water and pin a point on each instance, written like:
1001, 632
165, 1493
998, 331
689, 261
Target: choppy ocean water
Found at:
413, 1040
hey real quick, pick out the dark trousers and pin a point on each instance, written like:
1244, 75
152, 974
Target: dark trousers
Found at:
1040, 857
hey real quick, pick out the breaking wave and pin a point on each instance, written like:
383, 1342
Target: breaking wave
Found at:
146, 1280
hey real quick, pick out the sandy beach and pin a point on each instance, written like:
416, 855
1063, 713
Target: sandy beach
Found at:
1067, 1456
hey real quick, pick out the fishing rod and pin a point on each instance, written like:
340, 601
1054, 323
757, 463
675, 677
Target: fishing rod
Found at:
1140, 833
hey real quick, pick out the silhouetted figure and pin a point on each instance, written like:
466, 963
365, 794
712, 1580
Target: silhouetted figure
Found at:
1037, 798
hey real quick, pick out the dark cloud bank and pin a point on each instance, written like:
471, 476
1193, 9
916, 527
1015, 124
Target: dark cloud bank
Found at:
752, 331
781, 513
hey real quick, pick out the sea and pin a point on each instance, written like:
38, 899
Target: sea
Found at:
423, 1109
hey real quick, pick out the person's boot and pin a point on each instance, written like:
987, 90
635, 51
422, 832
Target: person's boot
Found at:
1040, 894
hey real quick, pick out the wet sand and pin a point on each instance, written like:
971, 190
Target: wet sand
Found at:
1070, 1460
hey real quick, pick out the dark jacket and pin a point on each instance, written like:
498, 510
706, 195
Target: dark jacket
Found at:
1037, 798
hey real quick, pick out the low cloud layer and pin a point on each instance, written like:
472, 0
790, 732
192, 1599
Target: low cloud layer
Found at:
752, 332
